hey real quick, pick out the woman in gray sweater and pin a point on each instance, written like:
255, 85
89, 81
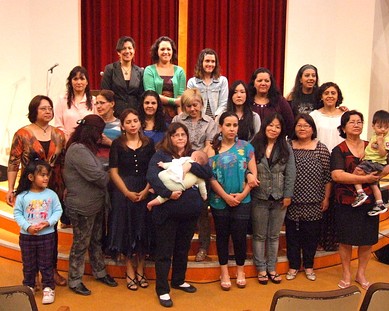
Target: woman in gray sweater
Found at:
86, 183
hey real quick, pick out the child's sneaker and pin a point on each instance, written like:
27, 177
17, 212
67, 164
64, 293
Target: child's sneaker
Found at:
376, 210
360, 199
48, 295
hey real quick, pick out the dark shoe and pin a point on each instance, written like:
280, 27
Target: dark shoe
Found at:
263, 278
275, 278
81, 290
59, 279
108, 280
133, 284
167, 303
186, 288
142, 280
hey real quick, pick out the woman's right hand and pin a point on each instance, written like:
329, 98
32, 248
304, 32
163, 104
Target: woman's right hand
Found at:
10, 198
132, 196
176, 195
231, 200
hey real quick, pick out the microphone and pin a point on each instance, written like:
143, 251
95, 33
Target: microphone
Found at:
52, 67
101, 73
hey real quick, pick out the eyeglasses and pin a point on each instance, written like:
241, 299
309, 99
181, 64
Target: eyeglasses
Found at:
303, 126
45, 108
355, 123
178, 135
100, 103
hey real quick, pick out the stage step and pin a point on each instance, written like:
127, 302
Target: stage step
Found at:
206, 271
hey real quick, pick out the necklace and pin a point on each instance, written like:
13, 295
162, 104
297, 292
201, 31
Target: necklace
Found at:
42, 128
126, 72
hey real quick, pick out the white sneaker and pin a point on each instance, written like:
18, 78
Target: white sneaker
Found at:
48, 295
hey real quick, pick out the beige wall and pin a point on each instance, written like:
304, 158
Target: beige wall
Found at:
337, 37
346, 39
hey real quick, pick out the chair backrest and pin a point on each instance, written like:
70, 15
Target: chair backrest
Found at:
376, 298
340, 299
18, 298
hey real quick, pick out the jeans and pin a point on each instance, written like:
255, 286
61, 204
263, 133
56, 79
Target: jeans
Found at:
87, 234
268, 217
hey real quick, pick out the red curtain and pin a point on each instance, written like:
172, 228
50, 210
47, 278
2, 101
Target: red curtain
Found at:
103, 22
246, 34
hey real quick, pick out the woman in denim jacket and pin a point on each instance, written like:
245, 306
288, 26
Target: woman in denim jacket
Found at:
276, 173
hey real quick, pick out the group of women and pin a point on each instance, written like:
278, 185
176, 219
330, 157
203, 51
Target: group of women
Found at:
142, 117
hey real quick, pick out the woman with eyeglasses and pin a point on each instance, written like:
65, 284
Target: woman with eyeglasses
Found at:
353, 225
48, 143
202, 128
76, 103
175, 220
123, 77
310, 199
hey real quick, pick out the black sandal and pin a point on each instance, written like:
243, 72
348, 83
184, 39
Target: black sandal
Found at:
133, 284
273, 277
142, 282
262, 278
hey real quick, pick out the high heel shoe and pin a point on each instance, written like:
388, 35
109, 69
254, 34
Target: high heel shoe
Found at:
225, 285
241, 282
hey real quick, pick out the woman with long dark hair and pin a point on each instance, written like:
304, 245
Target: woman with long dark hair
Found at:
86, 184
76, 103
128, 161
267, 98
277, 173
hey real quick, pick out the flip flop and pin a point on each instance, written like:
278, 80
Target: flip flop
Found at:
365, 285
343, 284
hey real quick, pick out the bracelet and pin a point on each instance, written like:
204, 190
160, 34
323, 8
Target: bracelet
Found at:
170, 101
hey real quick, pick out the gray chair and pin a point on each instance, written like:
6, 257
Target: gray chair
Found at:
294, 300
376, 298
18, 298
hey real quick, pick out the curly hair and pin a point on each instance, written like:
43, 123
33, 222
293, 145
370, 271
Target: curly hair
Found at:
154, 49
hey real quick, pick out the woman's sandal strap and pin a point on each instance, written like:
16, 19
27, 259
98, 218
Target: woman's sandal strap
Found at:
143, 282
132, 285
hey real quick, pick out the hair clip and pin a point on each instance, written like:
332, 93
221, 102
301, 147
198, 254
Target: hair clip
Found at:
81, 121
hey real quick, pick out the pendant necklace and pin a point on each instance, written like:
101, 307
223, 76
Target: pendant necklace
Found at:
42, 128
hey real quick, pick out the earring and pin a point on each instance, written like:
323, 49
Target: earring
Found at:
236, 138
220, 137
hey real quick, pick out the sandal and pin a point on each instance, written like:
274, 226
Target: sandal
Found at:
275, 278
132, 285
201, 255
241, 283
291, 275
263, 278
142, 280
365, 285
225, 285
343, 284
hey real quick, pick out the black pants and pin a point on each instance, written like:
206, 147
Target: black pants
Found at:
232, 221
301, 236
173, 241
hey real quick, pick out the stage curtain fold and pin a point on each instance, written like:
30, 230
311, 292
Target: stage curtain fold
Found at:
246, 34
105, 21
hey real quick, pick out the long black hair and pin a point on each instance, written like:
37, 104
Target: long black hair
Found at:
217, 139
260, 140
159, 117
246, 123
34, 167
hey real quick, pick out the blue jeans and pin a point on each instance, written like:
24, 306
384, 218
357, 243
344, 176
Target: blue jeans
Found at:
268, 217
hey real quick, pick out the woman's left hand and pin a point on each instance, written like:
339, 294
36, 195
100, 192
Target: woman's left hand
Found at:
143, 194
286, 202
325, 204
